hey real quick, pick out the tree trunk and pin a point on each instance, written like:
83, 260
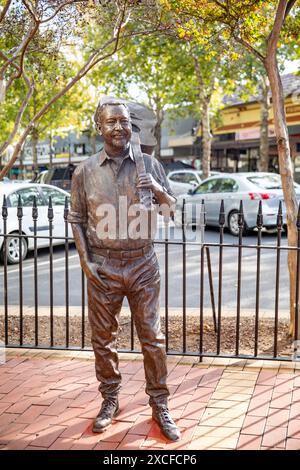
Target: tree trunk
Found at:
264, 125
34, 142
206, 138
286, 172
50, 151
205, 91
157, 130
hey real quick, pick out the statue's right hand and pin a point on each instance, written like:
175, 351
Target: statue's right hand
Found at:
92, 273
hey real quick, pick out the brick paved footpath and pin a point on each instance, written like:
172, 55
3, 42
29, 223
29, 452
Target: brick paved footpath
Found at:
48, 401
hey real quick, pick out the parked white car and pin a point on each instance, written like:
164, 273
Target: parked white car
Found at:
233, 188
181, 181
27, 191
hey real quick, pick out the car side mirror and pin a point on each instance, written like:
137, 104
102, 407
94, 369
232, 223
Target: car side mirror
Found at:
190, 191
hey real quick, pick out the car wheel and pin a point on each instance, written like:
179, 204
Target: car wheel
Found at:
12, 250
233, 225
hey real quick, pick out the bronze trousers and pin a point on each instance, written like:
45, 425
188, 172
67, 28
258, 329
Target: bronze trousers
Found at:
139, 280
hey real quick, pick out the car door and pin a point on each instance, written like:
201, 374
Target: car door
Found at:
27, 197
225, 190
58, 203
178, 183
205, 191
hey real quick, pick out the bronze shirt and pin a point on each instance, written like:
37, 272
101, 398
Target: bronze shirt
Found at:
98, 184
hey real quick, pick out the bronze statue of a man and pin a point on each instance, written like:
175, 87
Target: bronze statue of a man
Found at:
119, 265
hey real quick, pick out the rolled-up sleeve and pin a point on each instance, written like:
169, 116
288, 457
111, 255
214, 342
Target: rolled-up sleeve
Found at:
78, 211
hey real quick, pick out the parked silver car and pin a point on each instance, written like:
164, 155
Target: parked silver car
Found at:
232, 188
181, 181
27, 193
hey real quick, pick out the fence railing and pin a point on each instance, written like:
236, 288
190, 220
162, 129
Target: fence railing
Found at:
200, 279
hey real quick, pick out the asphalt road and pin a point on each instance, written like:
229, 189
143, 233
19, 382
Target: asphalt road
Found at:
175, 278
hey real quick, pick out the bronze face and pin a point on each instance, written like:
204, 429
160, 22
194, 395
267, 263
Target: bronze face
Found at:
115, 127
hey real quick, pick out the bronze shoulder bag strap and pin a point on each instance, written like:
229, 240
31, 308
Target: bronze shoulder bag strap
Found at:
145, 194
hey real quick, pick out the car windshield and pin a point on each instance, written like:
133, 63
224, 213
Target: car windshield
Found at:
266, 181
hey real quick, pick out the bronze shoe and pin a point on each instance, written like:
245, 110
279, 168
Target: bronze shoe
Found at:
161, 415
109, 409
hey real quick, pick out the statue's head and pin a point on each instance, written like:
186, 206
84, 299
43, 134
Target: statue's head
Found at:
143, 119
113, 122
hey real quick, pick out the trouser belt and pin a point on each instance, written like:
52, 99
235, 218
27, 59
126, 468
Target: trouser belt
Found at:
122, 254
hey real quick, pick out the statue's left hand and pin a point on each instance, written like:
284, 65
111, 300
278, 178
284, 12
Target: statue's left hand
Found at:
146, 181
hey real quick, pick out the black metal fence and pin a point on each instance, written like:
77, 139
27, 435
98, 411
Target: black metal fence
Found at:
201, 330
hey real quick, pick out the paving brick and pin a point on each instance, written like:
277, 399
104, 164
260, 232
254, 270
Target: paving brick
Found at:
130, 412
281, 400
83, 399
21, 406
277, 417
140, 375
218, 421
48, 436
258, 408
76, 428
274, 437
254, 425
141, 398
40, 423
266, 378
189, 386
116, 432
295, 411
106, 446
228, 404
263, 393
211, 442
9, 386
57, 407
9, 432
247, 442
202, 394
180, 401
132, 387
30, 415
292, 444
153, 443
86, 442
7, 418
296, 395
297, 381
62, 443
141, 426
193, 410
294, 428
90, 411
132, 367
19, 442
131, 442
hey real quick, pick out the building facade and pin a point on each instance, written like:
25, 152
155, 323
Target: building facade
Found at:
236, 141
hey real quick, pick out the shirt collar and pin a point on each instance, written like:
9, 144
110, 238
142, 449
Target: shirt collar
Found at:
103, 155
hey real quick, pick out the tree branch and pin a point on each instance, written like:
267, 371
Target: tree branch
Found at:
70, 2
91, 62
289, 6
283, 9
21, 49
35, 19
249, 47
19, 115
4, 10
